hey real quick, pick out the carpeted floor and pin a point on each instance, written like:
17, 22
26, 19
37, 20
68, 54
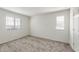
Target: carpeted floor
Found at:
33, 44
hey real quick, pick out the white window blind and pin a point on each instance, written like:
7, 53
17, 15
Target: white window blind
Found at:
60, 22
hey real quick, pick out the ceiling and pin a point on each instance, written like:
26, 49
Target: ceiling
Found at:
31, 11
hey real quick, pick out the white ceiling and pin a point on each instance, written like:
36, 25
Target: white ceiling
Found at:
30, 11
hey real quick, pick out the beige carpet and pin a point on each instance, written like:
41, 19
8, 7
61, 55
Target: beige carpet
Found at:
33, 44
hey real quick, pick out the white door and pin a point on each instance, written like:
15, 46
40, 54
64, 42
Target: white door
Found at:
76, 32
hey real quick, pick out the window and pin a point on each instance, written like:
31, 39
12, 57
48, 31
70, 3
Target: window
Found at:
9, 22
12, 23
60, 22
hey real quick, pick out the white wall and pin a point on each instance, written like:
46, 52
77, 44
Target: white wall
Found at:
6, 35
45, 26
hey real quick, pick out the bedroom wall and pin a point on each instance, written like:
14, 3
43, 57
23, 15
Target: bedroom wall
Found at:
6, 35
45, 26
